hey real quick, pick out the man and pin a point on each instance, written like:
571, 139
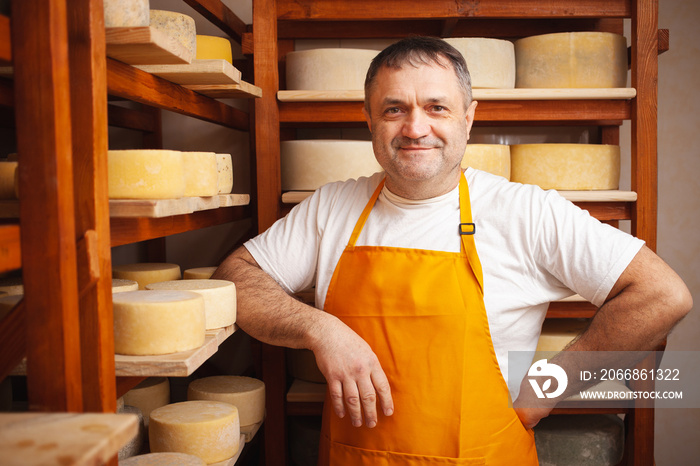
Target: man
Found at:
417, 323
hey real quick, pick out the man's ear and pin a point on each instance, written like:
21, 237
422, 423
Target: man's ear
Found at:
471, 110
368, 118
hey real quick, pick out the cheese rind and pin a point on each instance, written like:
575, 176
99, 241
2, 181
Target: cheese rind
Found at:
8, 180
148, 395
491, 62
329, 69
207, 429
119, 285
126, 13
224, 168
492, 158
145, 174
179, 27
201, 273
145, 273
213, 48
245, 393
149, 322
201, 174
163, 459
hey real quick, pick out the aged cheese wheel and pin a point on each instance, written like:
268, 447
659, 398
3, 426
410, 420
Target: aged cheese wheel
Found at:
301, 364
245, 393
219, 298
557, 333
201, 174
224, 167
148, 322
566, 166
198, 273
571, 60
135, 445
145, 273
309, 164
163, 459
8, 180
146, 174
491, 62
207, 429
148, 395
126, 13
332, 69
492, 158
12, 286
119, 285
214, 48
177, 26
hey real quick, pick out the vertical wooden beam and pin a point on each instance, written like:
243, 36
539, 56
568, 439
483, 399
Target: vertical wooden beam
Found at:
39, 40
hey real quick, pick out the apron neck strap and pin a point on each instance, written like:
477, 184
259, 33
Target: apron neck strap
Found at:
365, 213
467, 230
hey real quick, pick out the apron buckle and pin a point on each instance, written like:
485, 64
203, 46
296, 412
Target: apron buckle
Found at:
471, 228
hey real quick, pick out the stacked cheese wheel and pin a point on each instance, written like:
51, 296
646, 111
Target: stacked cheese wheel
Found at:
148, 395
492, 158
328, 69
214, 48
491, 62
198, 273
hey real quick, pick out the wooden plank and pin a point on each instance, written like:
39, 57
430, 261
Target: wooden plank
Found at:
198, 72
10, 252
221, 16
228, 91
303, 391
145, 46
129, 118
13, 341
5, 41
157, 208
571, 310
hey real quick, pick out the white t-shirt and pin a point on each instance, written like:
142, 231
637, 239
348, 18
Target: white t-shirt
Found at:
534, 246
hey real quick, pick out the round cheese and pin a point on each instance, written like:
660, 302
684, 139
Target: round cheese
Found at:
120, 285
148, 322
178, 27
202, 273
213, 48
133, 446
332, 69
557, 333
12, 285
224, 168
309, 164
491, 62
566, 166
219, 298
150, 394
126, 13
207, 429
145, 273
201, 174
301, 364
492, 158
571, 60
245, 393
163, 459
145, 174
8, 180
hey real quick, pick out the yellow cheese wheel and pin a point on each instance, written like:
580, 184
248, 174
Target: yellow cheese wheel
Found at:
566, 166
126, 13
301, 364
12, 285
146, 174
219, 298
163, 459
145, 273
309, 164
571, 60
201, 174
198, 273
492, 158
149, 322
148, 395
207, 429
224, 167
329, 69
491, 62
120, 285
214, 48
8, 180
557, 333
177, 26
245, 393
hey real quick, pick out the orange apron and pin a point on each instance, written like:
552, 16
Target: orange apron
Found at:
422, 312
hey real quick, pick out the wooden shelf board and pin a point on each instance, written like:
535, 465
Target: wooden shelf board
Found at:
28, 439
145, 46
302, 391
10, 252
198, 72
242, 90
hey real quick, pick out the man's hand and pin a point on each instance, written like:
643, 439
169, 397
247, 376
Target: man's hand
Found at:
529, 408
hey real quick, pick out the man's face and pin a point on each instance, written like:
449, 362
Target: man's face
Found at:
420, 127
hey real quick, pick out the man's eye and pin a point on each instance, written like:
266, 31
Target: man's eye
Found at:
392, 110
438, 108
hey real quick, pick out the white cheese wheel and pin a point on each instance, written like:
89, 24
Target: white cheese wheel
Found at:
119, 285
149, 322
163, 459
148, 395
207, 429
12, 285
309, 164
571, 60
145, 174
301, 364
126, 13
8, 180
492, 158
145, 273
491, 62
566, 166
557, 333
177, 26
332, 69
201, 174
219, 298
224, 167
202, 273
245, 393
214, 48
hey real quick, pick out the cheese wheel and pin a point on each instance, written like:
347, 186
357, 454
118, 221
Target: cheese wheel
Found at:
8, 180
219, 298
207, 429
12, 285
224, 168
7, 303
201, 174
145, 174
213, 48
198, 273
557, 333
120, 285
571, 60
332, 69
492, 158
148, 395
149, 322
491, 62
163, 459
301, 364
135, 445
145, 273
126, 13
178, 27
566, 166
245, 393
309, 164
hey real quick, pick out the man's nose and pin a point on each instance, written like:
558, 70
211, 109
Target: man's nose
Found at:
416, 125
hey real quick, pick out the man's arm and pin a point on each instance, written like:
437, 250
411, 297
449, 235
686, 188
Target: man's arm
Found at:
645, 303
265, 311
